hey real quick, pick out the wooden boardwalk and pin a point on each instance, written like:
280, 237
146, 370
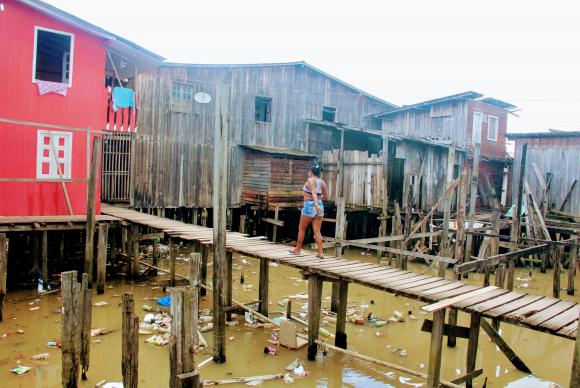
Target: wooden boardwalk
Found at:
541, 313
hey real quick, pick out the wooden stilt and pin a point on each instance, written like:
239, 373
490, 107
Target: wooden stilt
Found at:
572, 265
263, 291
103, 231
575, 373
476, 139
339, 234
452, 320
172, 255
3, 270
35, 256
472, 346
181, 340
243, 223
70, 328
86, 318
517, 213
61, 250
204, 258
133, 242
130, 343
194, 273
314, 302
229, 283
155, 254
504, 347
220, 174
91, 205
275, 227
45, 260
435, 350
558, 254
124, 241
340, 339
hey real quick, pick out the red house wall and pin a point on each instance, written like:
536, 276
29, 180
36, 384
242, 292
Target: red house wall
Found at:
83, 107
493, 149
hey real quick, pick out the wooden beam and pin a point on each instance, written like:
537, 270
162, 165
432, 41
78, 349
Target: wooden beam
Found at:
504, 347
103, 230
557, 256
272, 221
571, 266
341, 339
263, 286
448, 330
443, 304
70, 328
465, 377
86, 319
435, 350
130, 342
568, 195
314, 301
91, 205
444, 243
149, 236
44, 251
472, 347
172, 259
61, 175
575, 372
498, 259
203, 275
181, 340
275, 228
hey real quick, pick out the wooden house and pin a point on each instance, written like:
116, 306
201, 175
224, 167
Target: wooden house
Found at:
551, 162
294, 108
273, 177
456, 121
53, 101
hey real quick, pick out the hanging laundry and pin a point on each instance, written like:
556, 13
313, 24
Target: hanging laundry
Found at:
123, 98
45, 87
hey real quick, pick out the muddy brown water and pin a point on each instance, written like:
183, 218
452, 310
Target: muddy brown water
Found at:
548, 356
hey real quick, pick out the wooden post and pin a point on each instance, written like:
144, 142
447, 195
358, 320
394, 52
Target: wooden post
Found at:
194, 273
86, 311
229, 284
340, 339
504, 347
444, 247
473, 191
571, 266
220, 178
339, 234
3, 270
434, 372
243, 224
61, 249
385, 192
35, 255
289, 309
517, 211
181, 340
575, 373
499, 282
130, 343
275, 227
91, 204
124, 241
172, 255
314, 301
45, 260
558, 254
263, 291
103, 231
452, 320
472, 346
70, 328
204, 259
155, 254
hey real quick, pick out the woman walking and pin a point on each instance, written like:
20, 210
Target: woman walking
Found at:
315, 191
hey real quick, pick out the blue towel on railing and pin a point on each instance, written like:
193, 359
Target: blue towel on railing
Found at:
123, 98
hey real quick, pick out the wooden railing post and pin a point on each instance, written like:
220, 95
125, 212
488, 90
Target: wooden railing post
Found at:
130, 345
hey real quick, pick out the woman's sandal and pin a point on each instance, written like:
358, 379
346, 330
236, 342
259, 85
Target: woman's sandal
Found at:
320, 256
294, 252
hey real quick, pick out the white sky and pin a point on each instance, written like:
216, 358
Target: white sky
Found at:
405, 51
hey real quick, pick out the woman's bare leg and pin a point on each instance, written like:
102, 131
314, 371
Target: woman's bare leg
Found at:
316, 224
304, 222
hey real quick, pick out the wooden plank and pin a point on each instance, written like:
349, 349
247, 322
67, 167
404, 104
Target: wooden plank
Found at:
421, 288
512, 306
451, 301
568, 195
563, 319
492, 294
457, 331
454, 292
447, 286
550, 312
532, 308
496, 302
503, 258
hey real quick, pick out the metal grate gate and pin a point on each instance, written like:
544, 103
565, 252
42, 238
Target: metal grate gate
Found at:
116, 168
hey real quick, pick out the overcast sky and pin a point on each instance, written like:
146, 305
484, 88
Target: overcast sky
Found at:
523, 52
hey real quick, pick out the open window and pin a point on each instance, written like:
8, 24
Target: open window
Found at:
53, 155
328, 114
263, 107
53, 56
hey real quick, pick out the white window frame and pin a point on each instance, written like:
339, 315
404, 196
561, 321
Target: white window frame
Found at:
475, 130
71, 52
496, 127
66, 159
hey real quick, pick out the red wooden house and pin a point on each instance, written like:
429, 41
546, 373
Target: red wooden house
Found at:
56, 72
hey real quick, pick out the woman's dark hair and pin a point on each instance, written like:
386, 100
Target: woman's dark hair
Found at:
315, 169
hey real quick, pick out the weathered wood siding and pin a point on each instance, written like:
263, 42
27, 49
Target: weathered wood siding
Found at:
173, 163
558, 156
422, 123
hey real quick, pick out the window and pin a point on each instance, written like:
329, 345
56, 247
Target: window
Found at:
476, 129
181, 92
53, 56
53, 147
328, 114
492, 126
263, 109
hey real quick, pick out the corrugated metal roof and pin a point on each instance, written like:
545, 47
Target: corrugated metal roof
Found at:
279, 151
297, 63
553, 133
470, 95
75, 21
